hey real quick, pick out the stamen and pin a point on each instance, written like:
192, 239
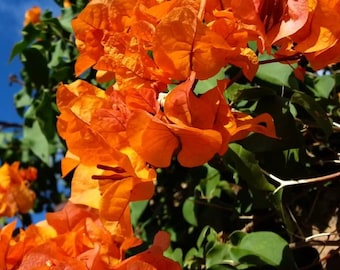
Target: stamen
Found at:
109, 168
119, 173
109, 177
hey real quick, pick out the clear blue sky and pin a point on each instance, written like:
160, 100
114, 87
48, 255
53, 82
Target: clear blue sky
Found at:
12, 14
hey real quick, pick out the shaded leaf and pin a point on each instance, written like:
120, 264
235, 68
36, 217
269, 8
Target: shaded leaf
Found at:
261, 248
247, 167
314, 110
37, 141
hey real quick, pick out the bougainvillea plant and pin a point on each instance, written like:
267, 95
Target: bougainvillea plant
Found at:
193, 134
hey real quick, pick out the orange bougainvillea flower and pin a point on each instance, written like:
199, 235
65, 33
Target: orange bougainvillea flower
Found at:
193, 128
181, 130
151, 259
109, 172
72, 238
32, 15
67, 4
183, 43
15, 194
117, 41
319, 39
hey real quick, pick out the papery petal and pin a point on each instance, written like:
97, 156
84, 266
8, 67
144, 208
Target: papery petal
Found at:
197, 146
5, 238
246, 125
177, 53
151, 139
85, 190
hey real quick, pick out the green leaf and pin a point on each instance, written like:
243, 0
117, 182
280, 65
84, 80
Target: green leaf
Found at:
37, 142
36, 66
22, 99
203, 86
263, 248
46, 115
323, 86
285, 125
218, 254
66, 18
277, 73
188, 211
314, 110
30, 34
238, 92
209, 185
247, 167
137, 209
176, 254
5, 138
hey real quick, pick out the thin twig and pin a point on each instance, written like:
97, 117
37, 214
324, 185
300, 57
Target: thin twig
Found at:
286, 183
4, 124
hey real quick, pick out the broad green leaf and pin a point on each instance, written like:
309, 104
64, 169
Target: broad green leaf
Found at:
66, 18
236, 237
22, 99
137, 209
277, 73
323, 86
36, 66
5, 138
209, 185
176, 254
203, 86
288, 134
189, 211
46, 115
207, 235
239, 92
314, 110
59, 55
261, 248
247, 167
30, 34
37, 142
218, 254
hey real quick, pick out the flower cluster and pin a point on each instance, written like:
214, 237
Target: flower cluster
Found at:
15, 194
75, 238
156, 51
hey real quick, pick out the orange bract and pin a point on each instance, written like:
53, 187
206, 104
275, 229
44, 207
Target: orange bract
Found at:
192, 128
109, 172
15, 194
72, 238
152, 258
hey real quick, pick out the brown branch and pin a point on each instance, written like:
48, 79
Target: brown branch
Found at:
282, 59
329, 243
4, 124
285, 183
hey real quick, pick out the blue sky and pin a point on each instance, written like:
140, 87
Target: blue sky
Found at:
12, 14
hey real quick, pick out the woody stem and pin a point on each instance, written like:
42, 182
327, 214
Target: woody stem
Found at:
282, 59
286, 183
